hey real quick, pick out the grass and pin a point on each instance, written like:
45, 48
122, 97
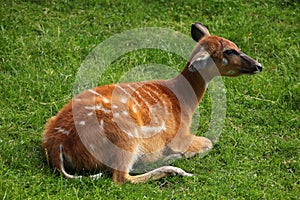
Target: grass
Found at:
43, 44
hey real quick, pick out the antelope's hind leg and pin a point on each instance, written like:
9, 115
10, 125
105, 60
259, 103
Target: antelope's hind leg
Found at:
120, 177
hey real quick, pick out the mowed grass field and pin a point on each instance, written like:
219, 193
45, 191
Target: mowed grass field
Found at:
43, 43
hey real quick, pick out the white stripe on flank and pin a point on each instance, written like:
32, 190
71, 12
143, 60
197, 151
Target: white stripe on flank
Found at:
98, 107
154, 129
124, 99
129, 134
131, 88
149, 94
143, 99
105, 100
128, 94
165, 106
123, 90
136, 132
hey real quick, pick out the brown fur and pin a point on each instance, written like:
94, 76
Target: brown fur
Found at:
98, 131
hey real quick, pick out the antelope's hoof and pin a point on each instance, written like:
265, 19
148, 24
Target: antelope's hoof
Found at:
207, 145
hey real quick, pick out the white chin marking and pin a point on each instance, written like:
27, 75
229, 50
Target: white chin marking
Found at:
230, 72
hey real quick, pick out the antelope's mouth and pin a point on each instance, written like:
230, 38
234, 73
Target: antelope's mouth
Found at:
257, 68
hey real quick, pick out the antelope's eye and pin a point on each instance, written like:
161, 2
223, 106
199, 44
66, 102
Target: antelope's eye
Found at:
231, 52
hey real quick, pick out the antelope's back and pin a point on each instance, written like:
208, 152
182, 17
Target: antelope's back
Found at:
98, 123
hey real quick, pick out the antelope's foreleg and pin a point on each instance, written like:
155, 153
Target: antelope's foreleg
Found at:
155, 174
198, 145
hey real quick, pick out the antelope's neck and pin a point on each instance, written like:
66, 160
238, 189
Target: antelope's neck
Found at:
189, 87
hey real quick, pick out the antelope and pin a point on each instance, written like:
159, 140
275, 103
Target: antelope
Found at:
115, 127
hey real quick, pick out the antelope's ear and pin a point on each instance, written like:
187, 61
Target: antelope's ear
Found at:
198, 31
200, 62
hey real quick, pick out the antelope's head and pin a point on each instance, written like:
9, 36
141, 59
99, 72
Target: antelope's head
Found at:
224, 54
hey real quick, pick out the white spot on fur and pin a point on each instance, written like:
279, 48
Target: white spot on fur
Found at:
90, 113
82, 123
123, 100
134, 109
101, 125
125, 113
61, 130
104, 139
105, 100
92, 147
116, 115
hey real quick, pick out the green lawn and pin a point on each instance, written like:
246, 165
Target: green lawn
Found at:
44, 43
